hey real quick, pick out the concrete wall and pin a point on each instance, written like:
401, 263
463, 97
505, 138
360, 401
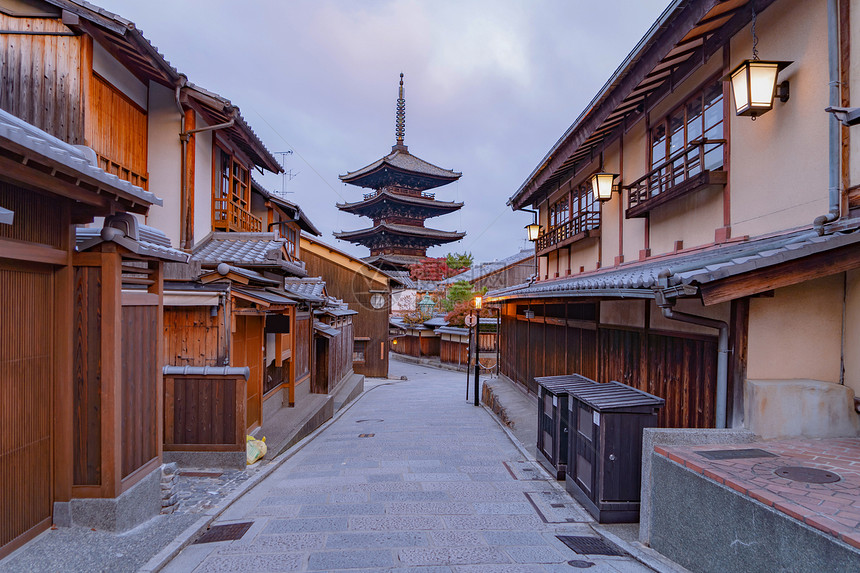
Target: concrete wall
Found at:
797, 333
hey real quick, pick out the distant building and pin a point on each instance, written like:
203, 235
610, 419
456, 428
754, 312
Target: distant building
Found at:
399, 204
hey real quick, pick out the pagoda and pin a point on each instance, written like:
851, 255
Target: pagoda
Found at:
399, 204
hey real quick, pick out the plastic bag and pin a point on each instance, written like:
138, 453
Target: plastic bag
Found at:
255, 449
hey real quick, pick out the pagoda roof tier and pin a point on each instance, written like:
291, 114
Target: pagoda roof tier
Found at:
386, 203
400, 169
393, 261
396, 235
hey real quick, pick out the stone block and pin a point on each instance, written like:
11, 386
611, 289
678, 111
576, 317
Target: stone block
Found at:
795, 408
234, 460
134, 506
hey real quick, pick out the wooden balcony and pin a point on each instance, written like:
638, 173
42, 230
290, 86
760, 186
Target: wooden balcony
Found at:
585, 224
682, 173
231, 216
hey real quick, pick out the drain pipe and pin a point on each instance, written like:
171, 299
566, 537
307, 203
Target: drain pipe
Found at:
666, 305
834, 159
183, 177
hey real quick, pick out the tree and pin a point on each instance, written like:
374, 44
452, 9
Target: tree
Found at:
459, 261
458, 292
458, 302
431, 269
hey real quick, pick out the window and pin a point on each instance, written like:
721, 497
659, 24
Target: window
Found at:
289, 233
571, 216
689, 140
231, 201
359, 348
558, 212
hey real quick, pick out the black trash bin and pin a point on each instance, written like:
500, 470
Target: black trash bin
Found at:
604, 469
552, 417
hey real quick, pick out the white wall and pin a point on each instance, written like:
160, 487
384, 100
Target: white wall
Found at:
114, 72
165, 164
202, 183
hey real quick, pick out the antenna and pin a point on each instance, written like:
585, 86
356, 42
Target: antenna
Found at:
287, 174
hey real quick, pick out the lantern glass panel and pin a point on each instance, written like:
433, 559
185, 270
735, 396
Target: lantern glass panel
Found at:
533, 231
762, 78
740, 89
601, 184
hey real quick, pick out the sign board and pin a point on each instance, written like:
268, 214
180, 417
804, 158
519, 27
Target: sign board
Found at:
471, 320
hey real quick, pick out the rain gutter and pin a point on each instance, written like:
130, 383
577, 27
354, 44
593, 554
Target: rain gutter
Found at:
833, 127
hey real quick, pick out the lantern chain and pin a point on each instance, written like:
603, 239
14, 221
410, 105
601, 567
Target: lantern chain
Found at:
754, 37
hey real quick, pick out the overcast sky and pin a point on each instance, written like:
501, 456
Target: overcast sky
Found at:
490, 86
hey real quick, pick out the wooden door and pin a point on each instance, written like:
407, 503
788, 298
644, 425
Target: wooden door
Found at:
26, 362
248, 351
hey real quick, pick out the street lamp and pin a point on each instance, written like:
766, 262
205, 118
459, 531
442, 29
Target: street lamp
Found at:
533, 230
479, 302
601, 184
426, 305
754, 86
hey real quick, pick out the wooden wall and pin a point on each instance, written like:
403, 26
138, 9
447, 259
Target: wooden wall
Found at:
354, 289
141, 376
193, 337
301, 356
116, 129
26, 328
36, 216
427, 345
41, 80
202, 412
87, 360
453, 352
679, 367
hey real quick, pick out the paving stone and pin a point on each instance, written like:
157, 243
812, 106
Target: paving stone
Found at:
294, 499
509, 538
513, 568
280, 543
348, 497
243, 563
457, 538
533, 554
376, 540
373, 478
321, 510
512, 508
306, 524
452, 556
328, 560
430, 508
395, 523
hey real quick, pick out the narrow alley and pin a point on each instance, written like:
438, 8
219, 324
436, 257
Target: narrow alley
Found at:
412, 477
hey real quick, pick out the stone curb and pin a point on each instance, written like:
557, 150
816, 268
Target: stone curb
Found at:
163, 557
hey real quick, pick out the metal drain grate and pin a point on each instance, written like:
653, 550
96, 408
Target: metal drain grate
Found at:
228, 532
366, 435
201, 474
807, 475
736, 454
585, 545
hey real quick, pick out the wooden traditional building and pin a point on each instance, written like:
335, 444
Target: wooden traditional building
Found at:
80, 346
399, 204
367, 290
721, 269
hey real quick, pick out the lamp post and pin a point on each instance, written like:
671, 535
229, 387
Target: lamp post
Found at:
478, 304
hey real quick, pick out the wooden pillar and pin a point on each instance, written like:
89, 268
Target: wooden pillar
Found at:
188, 200
63, 395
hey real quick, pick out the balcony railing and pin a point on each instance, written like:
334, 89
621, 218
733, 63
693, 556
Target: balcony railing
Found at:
230, 216
691, 168
422, 195
580, 225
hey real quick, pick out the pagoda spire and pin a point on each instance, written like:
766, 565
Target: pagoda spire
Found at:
400, 120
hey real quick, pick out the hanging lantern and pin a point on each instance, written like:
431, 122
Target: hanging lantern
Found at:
533, 230
754, 86
601, 184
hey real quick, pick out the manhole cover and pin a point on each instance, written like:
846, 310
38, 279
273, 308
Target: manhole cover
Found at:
736, 454
369, 420
807, 475
228, 532
366, 435
580, 564
586, 545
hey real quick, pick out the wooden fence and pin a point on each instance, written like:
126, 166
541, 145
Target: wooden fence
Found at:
204, 409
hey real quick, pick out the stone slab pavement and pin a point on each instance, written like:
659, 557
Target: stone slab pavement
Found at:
410, 477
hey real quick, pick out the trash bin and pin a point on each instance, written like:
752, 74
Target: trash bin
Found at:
552, 417
604, 469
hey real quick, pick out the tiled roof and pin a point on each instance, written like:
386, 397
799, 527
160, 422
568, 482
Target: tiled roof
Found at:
694, 268
265, 295
402, 277
77, 159
149, 241
482, 269
405, 161
310, 288
403, 260
246, 249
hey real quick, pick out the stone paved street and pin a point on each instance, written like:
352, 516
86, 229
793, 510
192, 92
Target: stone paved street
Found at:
411, 477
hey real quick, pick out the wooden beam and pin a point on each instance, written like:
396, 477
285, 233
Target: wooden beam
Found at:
25, 251
782, 275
